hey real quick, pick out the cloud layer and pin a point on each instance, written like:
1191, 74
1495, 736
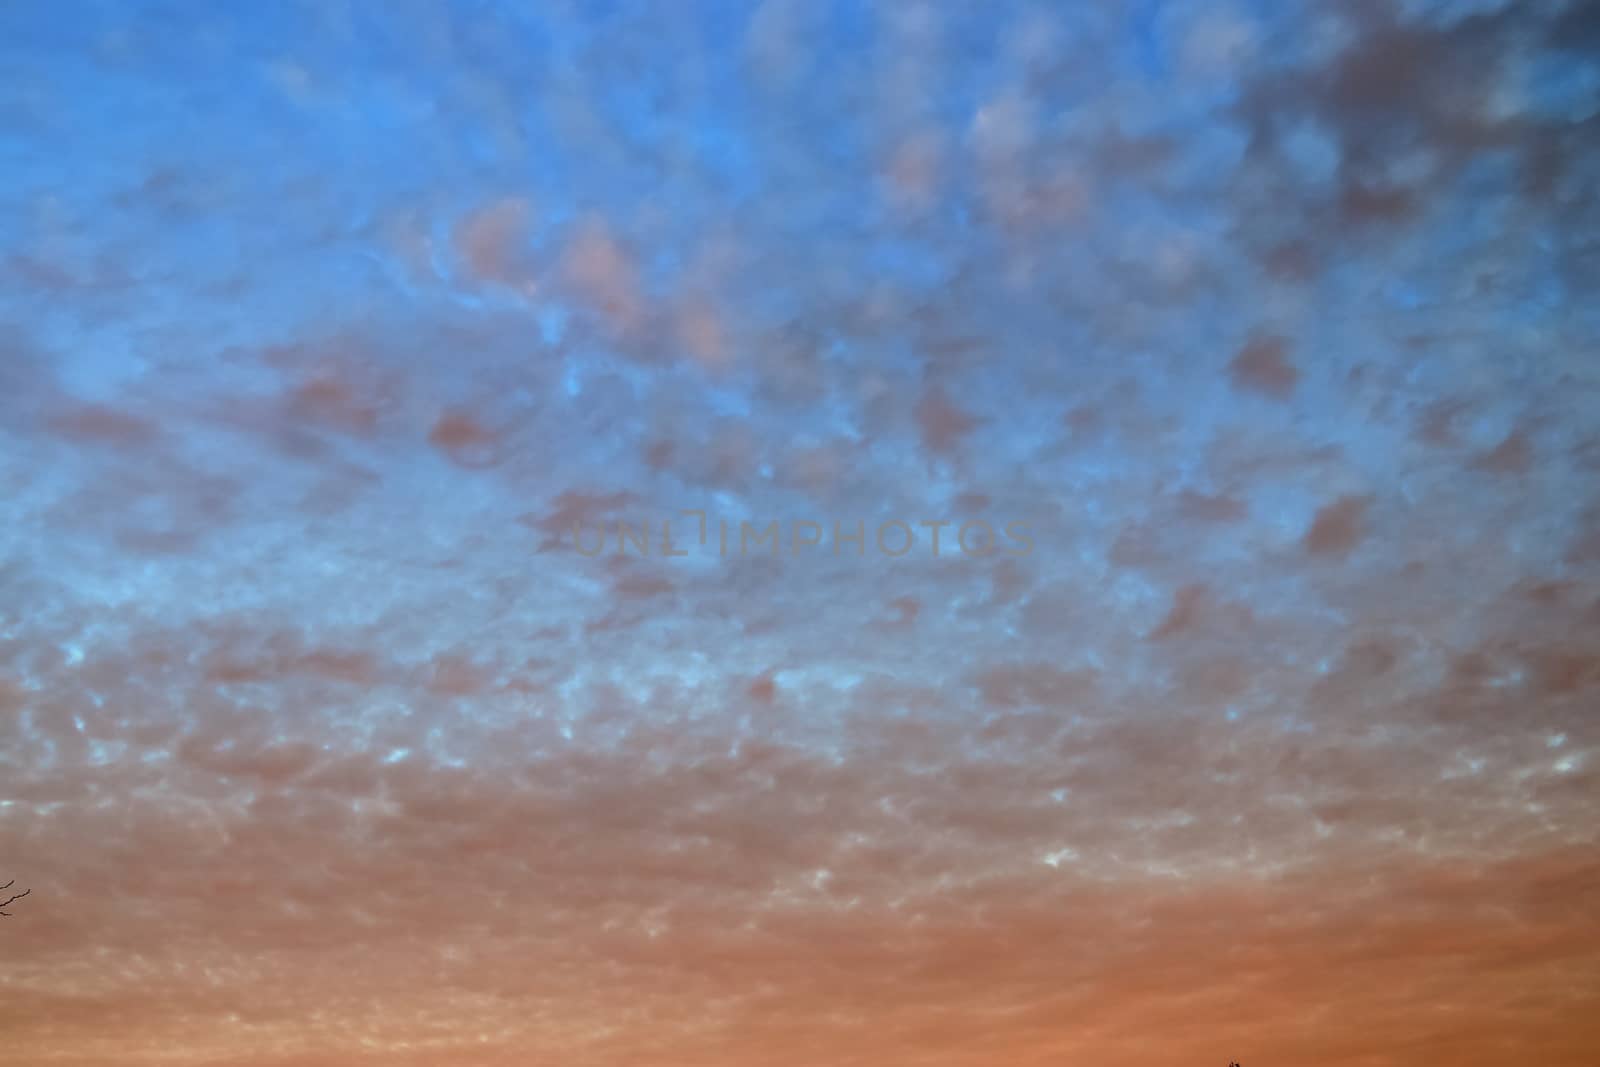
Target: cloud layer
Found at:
321, 331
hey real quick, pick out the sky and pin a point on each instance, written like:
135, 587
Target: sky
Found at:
1243, 356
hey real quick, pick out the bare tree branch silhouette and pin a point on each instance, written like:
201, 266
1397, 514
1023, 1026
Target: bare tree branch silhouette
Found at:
13, 899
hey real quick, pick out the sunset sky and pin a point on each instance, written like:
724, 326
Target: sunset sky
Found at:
1273, 324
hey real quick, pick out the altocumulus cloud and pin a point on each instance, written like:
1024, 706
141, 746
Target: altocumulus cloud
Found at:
322, 326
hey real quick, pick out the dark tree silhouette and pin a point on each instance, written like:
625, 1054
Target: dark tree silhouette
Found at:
13, 899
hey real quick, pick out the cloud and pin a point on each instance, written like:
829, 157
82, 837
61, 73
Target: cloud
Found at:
328, 349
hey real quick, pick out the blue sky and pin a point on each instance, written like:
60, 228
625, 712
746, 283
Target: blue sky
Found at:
322, 324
